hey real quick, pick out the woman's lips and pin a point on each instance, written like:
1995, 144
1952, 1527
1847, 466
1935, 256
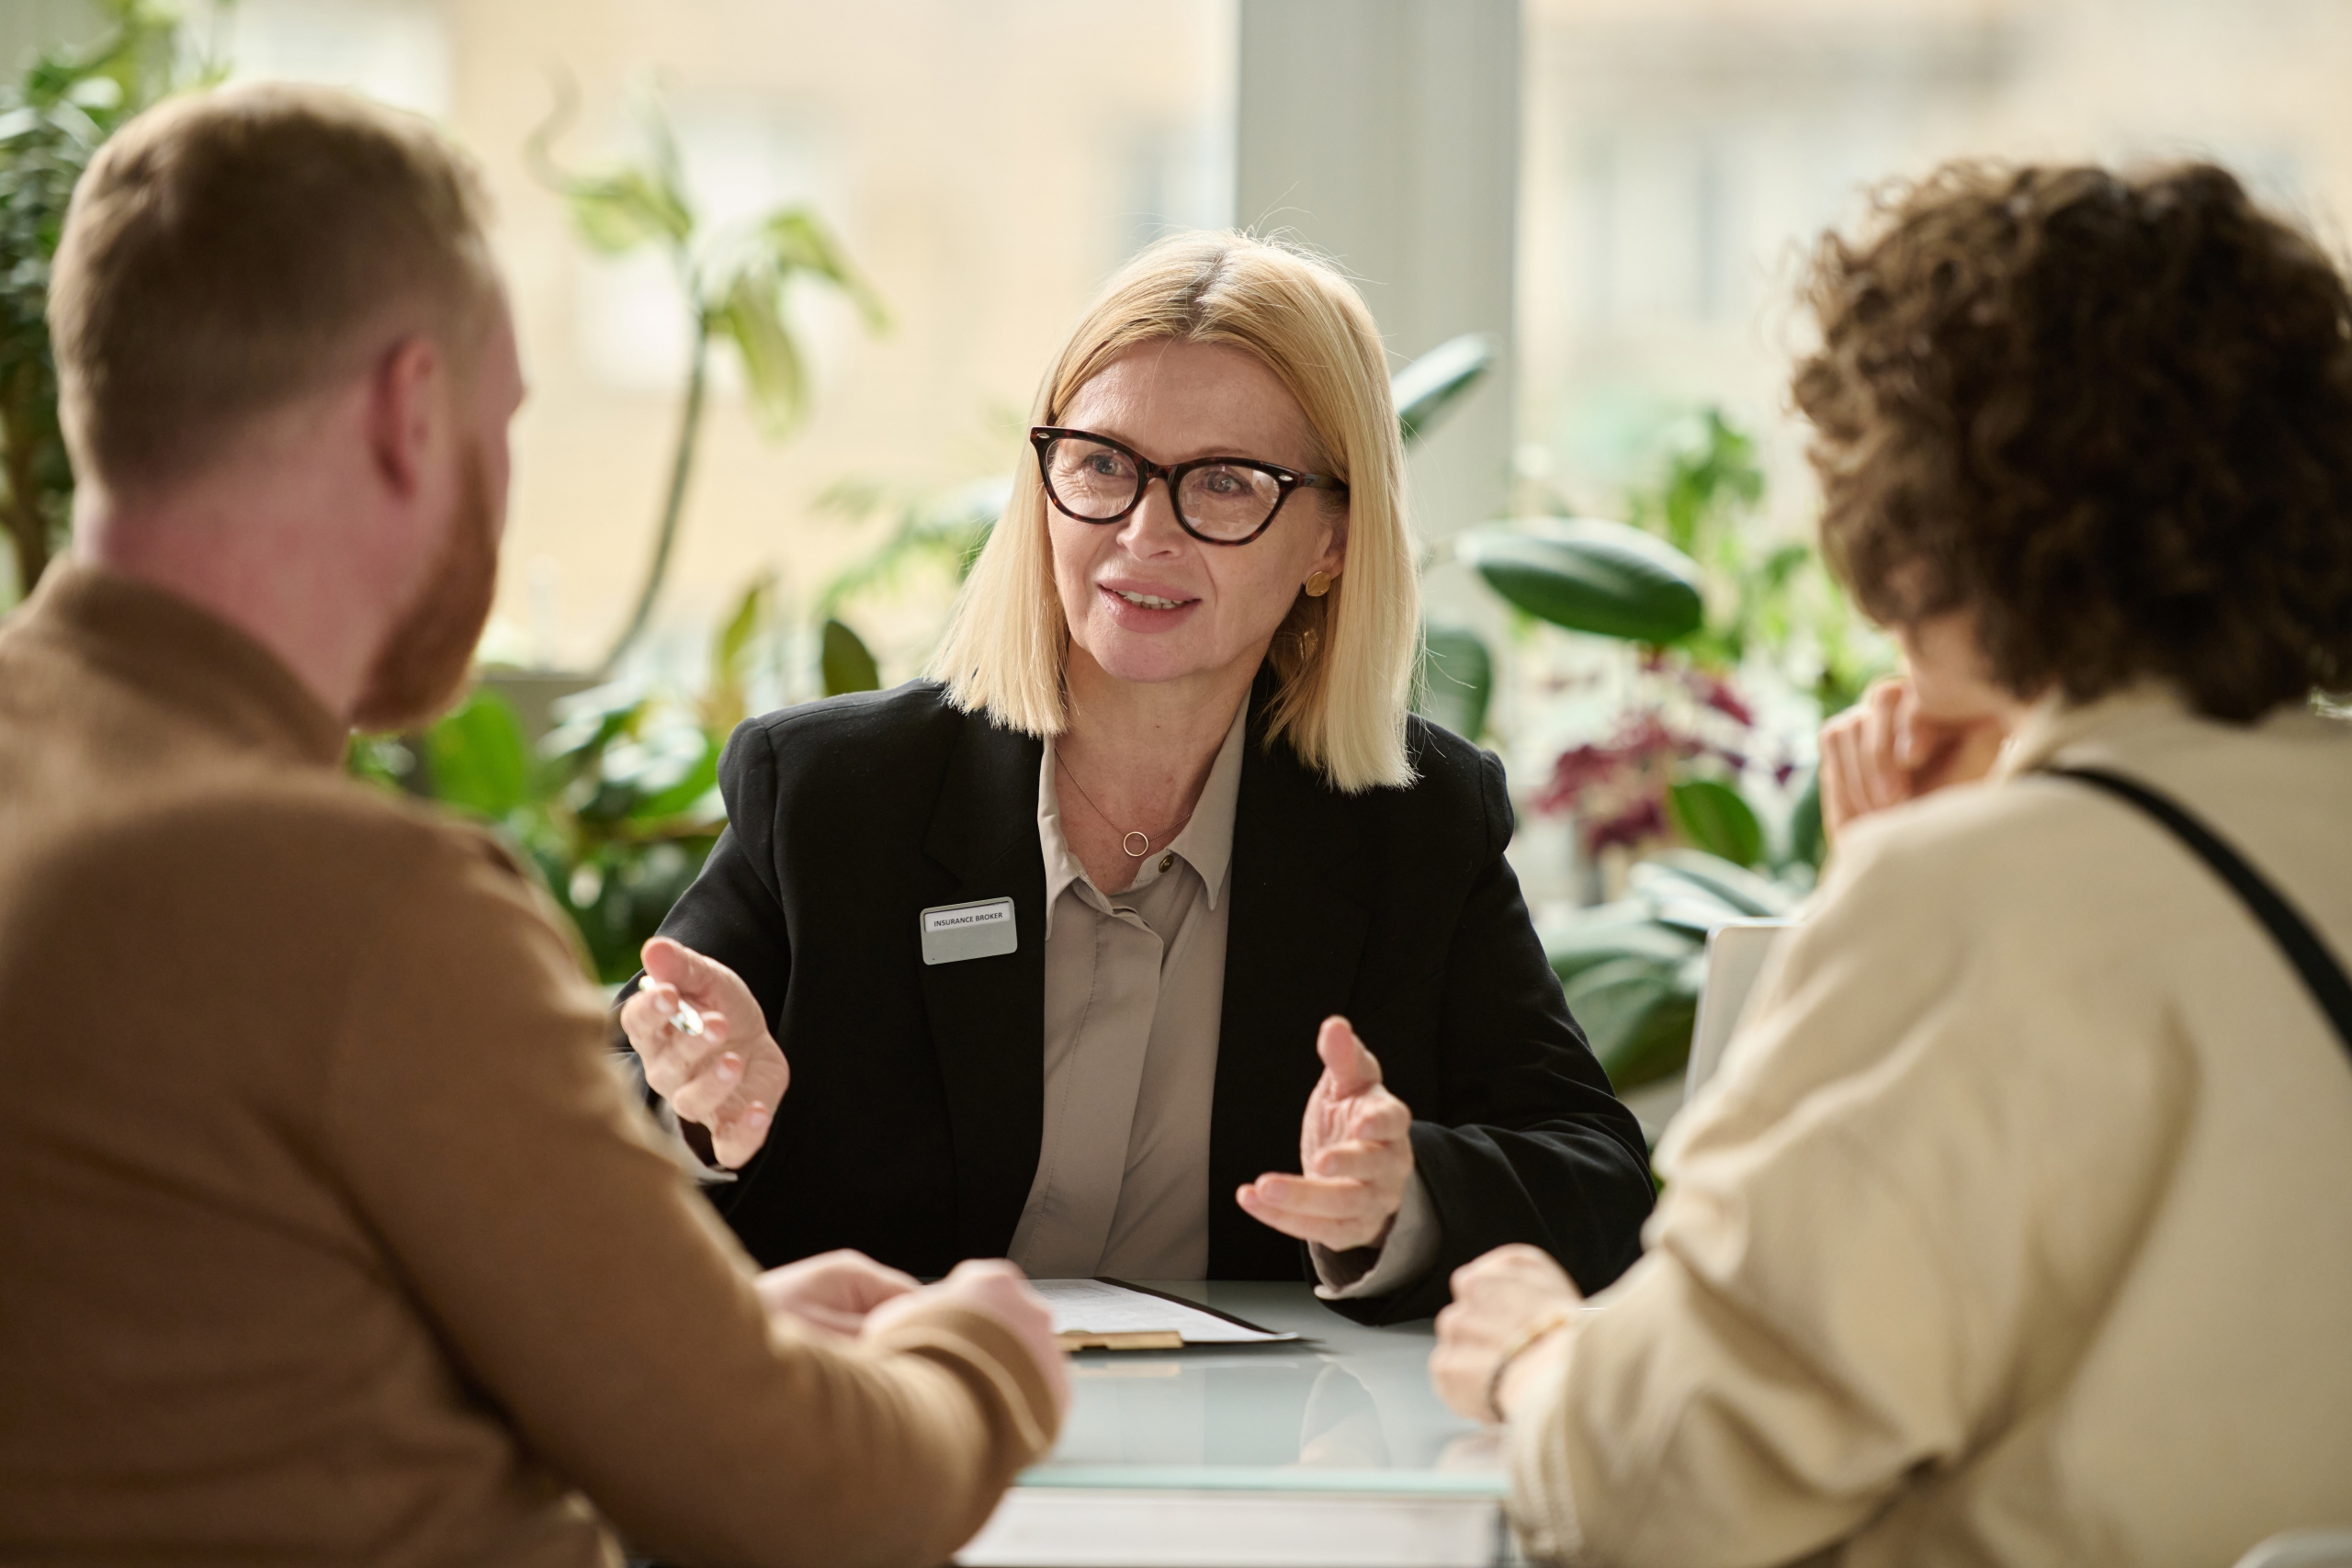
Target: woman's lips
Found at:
1142, 610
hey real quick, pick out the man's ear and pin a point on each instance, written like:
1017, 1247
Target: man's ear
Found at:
407, 409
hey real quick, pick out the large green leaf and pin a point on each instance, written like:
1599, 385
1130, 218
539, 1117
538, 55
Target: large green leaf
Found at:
1628, 928
1437, 379
1589, 576
619, 210
1808, 842
846, 664
692, 788
795, 240
749, 293
1714, 818
1455, 681
476, 759
1637, 1014
749, 315
1694, 872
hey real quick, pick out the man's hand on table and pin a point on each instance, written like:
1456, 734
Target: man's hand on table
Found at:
834, 1292
732, 1078
1354, 1148
1509, 1313
999, 1290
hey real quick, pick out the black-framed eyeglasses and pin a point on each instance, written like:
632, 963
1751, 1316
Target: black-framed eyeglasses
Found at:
1219, 501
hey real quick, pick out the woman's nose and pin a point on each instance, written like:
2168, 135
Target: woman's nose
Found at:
1151, 529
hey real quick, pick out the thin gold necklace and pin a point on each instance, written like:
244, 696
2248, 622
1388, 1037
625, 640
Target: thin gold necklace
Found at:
1126, 840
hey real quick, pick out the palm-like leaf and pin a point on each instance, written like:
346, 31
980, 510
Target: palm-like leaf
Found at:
750, 295
1590, 575
1437, 379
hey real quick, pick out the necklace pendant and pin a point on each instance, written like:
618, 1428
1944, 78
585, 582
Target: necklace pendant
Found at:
1129, 842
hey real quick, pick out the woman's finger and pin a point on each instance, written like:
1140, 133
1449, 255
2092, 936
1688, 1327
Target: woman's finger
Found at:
1362, 1160
740, 1130
1882, 731
1317, 1198
672, 1064
1380, 1118
1845, 795
701, 981
700, 1096
1338, 1234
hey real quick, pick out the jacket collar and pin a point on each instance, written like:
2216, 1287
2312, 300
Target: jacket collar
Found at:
185, 658
986, 1013
1295, 938
2093, 731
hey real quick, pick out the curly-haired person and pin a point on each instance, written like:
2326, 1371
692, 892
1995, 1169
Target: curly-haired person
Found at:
2013, 1228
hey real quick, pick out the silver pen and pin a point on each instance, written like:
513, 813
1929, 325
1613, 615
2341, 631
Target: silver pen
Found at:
683, 1018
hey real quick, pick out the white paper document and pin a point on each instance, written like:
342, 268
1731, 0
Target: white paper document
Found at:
1106, 1309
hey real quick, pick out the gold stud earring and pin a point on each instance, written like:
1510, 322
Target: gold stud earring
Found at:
1319, 583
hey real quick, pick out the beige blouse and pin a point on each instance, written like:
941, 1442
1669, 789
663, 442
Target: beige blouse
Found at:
1135, 995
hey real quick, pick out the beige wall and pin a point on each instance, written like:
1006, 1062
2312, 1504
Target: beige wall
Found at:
1683, 154
986, 164
989, 161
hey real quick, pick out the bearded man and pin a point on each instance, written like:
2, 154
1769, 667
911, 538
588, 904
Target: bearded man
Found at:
326, 1233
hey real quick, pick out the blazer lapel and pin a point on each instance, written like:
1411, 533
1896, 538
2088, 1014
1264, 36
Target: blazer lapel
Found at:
1294, 935
988, 1014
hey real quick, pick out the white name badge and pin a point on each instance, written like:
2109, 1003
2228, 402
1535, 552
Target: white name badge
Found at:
953, 932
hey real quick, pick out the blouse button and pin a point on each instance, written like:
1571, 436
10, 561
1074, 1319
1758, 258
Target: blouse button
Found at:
1167, 860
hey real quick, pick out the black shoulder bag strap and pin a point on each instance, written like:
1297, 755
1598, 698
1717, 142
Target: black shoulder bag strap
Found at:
2330, 988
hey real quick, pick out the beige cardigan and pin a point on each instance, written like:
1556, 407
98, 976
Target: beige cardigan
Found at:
2018, 1226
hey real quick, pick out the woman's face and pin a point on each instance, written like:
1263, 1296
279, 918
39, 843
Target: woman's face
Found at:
1146, 601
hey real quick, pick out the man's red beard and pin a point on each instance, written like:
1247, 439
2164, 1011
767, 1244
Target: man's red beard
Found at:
422, 667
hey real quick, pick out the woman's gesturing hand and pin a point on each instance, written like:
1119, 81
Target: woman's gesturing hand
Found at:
732, 1078
1889, 747
1354, 1148
1504, 1304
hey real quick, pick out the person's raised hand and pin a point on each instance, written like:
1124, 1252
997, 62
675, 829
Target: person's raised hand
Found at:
834, 1291
999, 1290
730, 1079
1503, 1302
1889, 747
1355, 1154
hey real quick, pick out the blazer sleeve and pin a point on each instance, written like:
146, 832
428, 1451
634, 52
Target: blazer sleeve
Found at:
1529, 1144
734, 910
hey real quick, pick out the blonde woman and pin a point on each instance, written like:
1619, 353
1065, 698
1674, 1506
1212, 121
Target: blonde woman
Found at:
1153, 938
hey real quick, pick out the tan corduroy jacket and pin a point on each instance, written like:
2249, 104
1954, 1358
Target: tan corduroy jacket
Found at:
2017, 1227
326, 1233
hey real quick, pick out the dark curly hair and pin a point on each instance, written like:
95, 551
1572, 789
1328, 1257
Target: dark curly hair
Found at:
2111, 415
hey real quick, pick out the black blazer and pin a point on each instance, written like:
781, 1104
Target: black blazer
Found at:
911, 1127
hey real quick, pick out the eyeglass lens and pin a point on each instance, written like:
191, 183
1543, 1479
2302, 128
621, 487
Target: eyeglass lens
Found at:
1224, 500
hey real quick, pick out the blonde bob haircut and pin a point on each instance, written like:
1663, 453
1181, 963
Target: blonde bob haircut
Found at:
1343, 664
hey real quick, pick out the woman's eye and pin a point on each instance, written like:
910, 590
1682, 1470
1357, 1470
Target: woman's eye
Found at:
1105, 465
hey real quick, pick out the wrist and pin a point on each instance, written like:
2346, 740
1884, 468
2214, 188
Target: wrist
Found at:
1533, 1346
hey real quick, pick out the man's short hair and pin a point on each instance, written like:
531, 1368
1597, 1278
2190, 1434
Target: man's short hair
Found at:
231, 251
2111, 414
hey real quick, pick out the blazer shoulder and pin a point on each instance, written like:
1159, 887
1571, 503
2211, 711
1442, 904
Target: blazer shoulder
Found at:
1457, 788
872, 746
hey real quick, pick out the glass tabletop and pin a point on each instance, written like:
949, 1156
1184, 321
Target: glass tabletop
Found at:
1349, 1409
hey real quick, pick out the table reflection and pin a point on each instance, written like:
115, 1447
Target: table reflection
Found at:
1347, 1398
